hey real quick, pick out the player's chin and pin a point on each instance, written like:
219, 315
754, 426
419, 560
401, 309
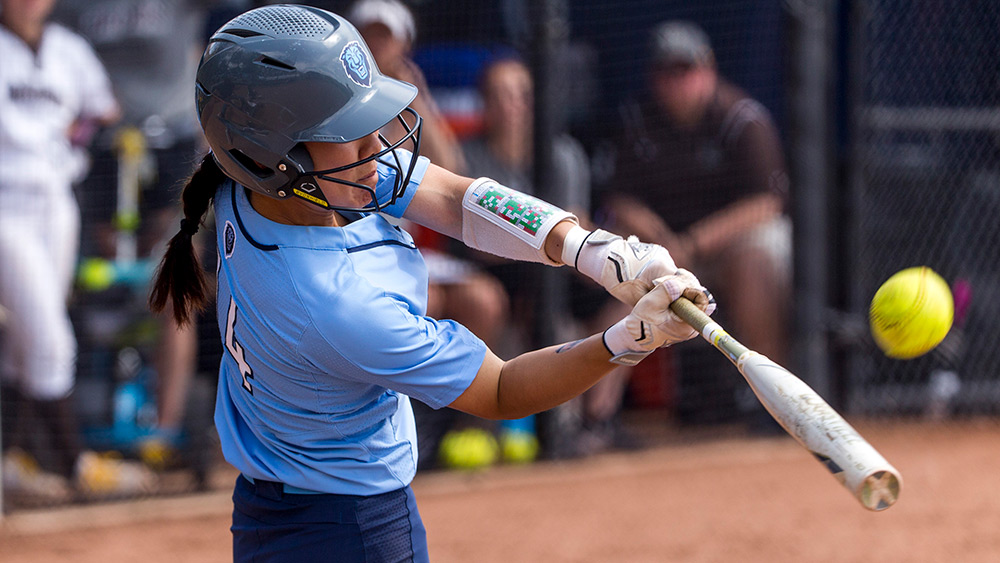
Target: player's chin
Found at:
348, 197
351, 203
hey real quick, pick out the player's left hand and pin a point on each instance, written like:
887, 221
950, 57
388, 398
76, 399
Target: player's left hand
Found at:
627, 268
652, 324
681, 284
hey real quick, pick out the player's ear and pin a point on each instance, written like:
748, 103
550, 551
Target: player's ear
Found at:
300, 158
301, 183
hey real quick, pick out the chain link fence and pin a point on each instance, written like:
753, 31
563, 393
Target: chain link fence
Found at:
915, 129
924, 189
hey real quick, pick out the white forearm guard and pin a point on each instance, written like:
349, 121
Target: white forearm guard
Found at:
508, 223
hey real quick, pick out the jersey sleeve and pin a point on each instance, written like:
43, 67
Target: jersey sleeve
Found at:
374, 338
97, 96
387, 177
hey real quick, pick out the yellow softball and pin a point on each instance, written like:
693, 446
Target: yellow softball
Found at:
519, 446
470, 448
95, 274
911, 313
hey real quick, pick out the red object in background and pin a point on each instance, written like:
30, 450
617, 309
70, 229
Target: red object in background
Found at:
465, 125
426, 238
653, 384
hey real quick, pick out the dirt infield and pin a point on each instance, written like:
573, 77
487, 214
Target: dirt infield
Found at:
744, 500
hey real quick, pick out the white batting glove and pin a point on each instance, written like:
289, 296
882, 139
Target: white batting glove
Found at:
627, 268
652, 324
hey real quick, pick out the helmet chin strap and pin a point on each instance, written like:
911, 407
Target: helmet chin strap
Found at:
306, 185
307, 188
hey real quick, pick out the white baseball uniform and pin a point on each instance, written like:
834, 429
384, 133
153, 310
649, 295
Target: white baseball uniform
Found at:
42, 93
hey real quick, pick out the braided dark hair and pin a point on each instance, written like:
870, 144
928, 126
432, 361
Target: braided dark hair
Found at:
179, 277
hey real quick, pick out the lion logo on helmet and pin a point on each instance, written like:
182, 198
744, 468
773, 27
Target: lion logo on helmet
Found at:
356, 64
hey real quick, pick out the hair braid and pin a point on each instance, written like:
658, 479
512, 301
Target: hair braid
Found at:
179, 278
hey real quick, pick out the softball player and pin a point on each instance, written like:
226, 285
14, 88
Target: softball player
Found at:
51, 83
321, 298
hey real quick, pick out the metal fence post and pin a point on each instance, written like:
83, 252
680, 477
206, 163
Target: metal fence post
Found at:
810, 171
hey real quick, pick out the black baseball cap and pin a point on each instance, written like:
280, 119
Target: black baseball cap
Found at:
680, 43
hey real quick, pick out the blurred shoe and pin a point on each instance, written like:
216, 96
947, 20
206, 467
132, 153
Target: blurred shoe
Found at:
592, 440
606, 435
108, 475
159, 451
24, 480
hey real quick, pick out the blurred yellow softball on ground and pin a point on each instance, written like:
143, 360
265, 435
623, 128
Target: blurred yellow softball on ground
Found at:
911, 313
470, 448
519, 447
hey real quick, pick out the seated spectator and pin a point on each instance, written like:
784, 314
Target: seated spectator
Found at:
389, 29
701, 171
504, 151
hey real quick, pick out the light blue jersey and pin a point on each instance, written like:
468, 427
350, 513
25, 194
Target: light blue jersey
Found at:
326, 340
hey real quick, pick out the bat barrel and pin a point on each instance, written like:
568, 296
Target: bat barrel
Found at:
821, 430
805, 416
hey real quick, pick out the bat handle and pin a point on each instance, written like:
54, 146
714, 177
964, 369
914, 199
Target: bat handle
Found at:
692, 315
709, 329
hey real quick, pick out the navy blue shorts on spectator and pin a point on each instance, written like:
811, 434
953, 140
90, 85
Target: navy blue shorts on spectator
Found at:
272, 525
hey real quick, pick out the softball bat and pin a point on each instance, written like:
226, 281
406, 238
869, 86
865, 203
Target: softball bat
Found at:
808, 418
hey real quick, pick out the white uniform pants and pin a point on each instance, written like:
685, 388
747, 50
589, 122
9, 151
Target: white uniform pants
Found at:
39, 239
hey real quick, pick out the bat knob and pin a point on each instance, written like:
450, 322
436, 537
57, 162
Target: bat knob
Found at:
880, 490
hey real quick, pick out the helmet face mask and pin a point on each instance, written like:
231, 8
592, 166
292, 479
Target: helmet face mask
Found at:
386, 157
279, 76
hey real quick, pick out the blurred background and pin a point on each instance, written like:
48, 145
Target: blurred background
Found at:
797, 151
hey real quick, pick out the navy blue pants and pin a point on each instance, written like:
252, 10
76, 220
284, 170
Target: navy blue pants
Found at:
270, 525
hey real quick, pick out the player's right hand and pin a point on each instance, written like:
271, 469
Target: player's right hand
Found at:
652, 324
627, 268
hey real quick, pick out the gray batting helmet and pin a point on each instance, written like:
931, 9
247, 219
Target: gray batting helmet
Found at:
277, 76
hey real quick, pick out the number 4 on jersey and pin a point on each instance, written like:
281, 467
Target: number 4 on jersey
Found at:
235, 349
